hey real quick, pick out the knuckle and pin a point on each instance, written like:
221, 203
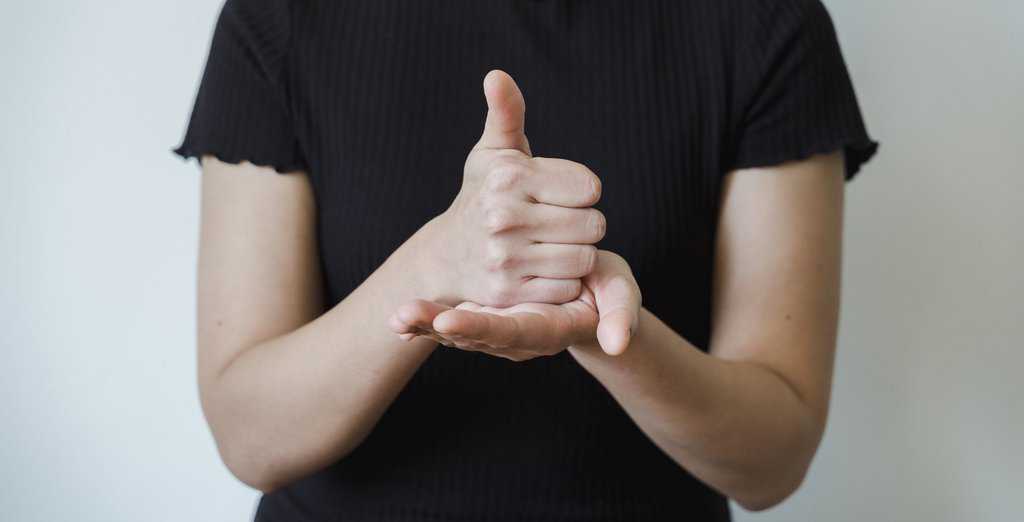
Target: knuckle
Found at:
499, 259
512, 154
499, 219
622, 285
619, 284
504, 175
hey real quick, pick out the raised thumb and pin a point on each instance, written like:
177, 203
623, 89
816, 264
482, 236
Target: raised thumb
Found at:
506, 114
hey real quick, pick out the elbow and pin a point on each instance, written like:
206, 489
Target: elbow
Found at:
262, 447
764, 500
266, 467
259, 471
772, 491
779, 478
265, 464
246, 455
263, 484
253, 468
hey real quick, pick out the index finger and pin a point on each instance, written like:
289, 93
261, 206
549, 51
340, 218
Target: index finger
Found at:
563, 183
482, 327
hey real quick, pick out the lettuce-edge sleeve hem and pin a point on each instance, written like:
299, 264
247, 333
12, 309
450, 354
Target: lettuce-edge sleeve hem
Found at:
186, 152
857, 152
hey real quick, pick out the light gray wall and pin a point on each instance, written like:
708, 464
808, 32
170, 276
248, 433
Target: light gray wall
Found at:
100, 416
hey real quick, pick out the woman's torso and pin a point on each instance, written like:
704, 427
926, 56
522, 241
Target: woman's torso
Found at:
387, 101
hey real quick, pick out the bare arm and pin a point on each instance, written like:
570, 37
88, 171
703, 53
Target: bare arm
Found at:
285, 389
747, 419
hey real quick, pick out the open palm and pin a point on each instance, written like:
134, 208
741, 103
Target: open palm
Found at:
605, 313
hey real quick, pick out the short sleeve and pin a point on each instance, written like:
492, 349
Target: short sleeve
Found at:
242, 110
795, 94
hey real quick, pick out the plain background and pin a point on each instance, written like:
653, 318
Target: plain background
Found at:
99, 407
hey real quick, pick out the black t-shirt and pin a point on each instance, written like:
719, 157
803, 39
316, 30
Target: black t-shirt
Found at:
380, 101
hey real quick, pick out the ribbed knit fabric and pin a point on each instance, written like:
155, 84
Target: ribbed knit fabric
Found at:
380, 100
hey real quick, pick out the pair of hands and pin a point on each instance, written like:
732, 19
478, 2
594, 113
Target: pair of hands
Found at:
517, 249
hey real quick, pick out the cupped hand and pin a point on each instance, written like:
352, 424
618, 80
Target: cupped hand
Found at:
605, 314
521, 228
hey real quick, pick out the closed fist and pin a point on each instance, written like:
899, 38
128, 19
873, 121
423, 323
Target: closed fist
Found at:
521, 228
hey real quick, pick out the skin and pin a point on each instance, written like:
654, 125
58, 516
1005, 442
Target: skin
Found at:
288, 387
745, 418
520, 229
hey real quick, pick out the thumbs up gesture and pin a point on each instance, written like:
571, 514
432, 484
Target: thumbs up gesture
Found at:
519, 237
521, 228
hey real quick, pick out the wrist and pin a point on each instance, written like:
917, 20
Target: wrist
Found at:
429, 270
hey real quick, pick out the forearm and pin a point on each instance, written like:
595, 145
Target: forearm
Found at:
738, 426
293, 404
